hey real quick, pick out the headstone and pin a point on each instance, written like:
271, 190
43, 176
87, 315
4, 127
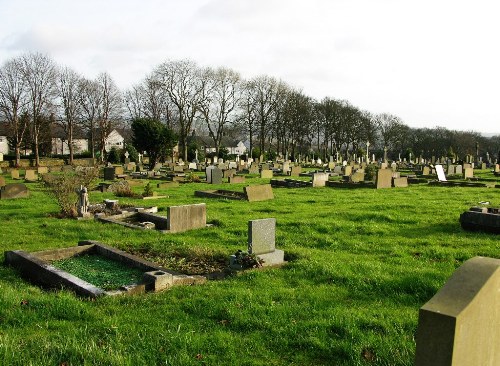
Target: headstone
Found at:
192, 166
216, 176
118, 170
262, 241
2, 181
208, 173
337, 169
331, 165
109, 173
483, 166
459, 326
187, 217
286, 167
497, 168
254, 169
358, 177
384, 178
451, 170
394, 167
266, 173
43, 170
319, 179
400, 182
14, 174
468, 173
14, 190
237, 179
348, 170
260, 192
264, 166
440, 173
30, 176
296, 170
467, 165
229, 173
458, 170
1, 156
232, 165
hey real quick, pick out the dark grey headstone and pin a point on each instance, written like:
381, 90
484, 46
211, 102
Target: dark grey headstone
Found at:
216, 176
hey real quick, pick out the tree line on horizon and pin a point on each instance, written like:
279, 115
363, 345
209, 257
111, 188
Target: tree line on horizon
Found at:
275, 118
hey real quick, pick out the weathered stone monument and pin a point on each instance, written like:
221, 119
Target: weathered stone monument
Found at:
14, 190
261, 192
266, 173
262, 241
384, 178
460, 325
319, 179
82, 207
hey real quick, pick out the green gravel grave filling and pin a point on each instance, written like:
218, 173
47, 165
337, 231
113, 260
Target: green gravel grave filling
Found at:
100, 271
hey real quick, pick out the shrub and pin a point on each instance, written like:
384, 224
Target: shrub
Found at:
247, 260
148, 191
121, 189
63, 187
114, 156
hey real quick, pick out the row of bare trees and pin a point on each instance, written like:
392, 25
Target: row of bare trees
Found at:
273, 116
33, 87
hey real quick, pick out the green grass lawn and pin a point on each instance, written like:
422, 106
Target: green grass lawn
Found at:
361, 264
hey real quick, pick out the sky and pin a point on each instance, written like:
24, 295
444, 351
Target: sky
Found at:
429, 62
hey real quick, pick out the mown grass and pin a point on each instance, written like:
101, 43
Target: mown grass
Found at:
361, 263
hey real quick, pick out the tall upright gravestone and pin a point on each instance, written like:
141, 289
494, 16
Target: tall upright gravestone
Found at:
460, 325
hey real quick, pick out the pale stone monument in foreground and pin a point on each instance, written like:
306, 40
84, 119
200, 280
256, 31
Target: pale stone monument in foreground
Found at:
460, 325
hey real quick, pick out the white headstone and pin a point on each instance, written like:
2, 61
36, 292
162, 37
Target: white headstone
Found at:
440, 173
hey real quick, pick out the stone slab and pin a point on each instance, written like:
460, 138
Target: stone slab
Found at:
260, 192
186, 217
384, 178
459, 326
261, 236
14, 190
237, 179
266, 173
401, 182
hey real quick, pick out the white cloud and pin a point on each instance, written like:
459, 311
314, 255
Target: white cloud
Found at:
430, 62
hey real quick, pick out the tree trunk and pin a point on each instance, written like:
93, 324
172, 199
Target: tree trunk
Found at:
37, 157
18, 155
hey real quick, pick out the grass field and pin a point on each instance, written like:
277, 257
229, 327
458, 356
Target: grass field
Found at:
361, 264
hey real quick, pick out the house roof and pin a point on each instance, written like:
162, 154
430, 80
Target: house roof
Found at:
209, 142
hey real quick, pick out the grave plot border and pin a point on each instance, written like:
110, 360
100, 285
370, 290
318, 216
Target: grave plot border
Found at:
36, 267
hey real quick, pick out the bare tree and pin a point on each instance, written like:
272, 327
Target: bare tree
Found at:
110, 109
182, 83
390, 128
248, 115
68, 90
265, 89
39, 72
220, 98
90, 102
13, 102
149, 100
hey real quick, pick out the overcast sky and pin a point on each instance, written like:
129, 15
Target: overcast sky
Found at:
430, 62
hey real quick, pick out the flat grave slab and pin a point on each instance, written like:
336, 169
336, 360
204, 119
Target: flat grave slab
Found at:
38, 267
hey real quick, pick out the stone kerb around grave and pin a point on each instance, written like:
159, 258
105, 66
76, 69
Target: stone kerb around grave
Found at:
460, 325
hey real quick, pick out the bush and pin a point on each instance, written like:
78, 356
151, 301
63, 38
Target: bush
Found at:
122, 189
371, 172
63, 187
133, 155
148, 191
247, 260
114, 156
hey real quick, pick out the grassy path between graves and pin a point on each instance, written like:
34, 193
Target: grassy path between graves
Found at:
361, 264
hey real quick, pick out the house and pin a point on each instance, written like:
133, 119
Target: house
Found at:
234, 147
60, 145
116, 138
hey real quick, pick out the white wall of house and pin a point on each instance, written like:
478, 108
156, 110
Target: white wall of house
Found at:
4, 145
114, 140
239, 149
60, 146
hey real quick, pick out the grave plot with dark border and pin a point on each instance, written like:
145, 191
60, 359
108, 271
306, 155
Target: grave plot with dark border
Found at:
37, 267
481, 219
261, 192
178, 219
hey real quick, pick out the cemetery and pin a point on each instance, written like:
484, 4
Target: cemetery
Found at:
392, 274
